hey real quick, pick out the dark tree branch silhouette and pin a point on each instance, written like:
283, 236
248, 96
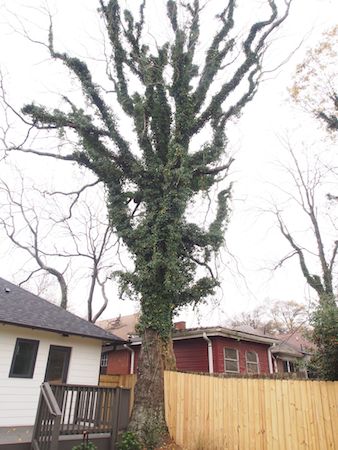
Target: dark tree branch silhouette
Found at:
34, 229
317, 264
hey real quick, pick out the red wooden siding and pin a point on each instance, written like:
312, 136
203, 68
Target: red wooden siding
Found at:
192, 355
218, 344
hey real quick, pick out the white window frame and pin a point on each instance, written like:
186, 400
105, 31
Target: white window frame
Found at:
250, 363
288, 367
104, 360
231, 359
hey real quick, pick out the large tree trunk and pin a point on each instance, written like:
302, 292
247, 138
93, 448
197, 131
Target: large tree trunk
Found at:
148, 415
168, 355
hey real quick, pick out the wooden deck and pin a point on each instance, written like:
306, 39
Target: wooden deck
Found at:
20, 438
66, 412
15, 435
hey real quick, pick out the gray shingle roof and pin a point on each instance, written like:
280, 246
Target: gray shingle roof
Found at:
22, 308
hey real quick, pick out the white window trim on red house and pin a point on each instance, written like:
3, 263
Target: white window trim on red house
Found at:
231, 360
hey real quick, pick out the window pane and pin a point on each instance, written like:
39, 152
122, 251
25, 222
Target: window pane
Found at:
252, 368
231, 360
231, 366
289, 366
24, 358
58, 362
104, 360
251, 357
230, 353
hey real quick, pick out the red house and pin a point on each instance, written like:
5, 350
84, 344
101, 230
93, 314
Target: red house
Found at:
212, 349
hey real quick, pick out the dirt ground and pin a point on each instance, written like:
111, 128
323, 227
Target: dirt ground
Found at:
169, 445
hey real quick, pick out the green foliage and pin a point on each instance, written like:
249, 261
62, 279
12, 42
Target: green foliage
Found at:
325, 336
152, 181
149, 190
129, 441
87, 445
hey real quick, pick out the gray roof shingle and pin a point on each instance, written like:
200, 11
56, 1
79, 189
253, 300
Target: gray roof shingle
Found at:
22, 308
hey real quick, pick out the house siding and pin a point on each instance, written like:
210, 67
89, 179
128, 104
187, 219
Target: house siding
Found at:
19, 396
192, 355
119, 361
119, 364
219, 343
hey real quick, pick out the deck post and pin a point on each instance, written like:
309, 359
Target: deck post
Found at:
55, 433
115, 418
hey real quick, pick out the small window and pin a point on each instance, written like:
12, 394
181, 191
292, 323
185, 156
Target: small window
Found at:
24, 358
231, 360
289, 366
252, 365
104, 360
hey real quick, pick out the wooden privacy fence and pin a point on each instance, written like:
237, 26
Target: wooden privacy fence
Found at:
207, 413
251, 414
125, 381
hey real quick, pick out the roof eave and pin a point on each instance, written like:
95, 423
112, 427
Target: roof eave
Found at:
63, 332
223, 332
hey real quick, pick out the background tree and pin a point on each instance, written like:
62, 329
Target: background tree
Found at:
275, 317
315, 87
173, 98
316, 254
67, 242
289, 316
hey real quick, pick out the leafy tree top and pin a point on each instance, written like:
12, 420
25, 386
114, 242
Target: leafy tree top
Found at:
171, 98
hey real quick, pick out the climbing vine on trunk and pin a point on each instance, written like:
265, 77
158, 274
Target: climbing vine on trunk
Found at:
171, 93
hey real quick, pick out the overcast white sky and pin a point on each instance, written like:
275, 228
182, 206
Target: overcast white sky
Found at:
254, 140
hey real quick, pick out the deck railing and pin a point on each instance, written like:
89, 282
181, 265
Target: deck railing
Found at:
47, 423
90, 409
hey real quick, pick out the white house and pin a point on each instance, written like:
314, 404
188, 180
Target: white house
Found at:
41, 342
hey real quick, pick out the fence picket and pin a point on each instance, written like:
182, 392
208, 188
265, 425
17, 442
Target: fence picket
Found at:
250, 414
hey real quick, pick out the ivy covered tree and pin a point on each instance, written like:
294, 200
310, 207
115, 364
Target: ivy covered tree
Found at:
174, 94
